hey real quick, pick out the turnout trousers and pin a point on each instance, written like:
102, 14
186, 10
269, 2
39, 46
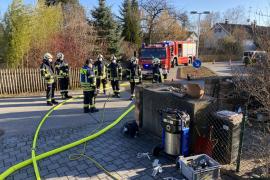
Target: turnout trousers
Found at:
63, 83
115, 86
103, 82
89, 99
50, 92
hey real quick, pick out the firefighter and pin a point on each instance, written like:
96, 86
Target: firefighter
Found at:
134, 74
88, 83
47, 72
101, 73
62, 71
157, 71
114, 74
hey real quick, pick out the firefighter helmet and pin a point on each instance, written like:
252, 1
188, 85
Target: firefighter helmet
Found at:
113, 57
47, 56
156, 61
100, 57
134, 60
60, 56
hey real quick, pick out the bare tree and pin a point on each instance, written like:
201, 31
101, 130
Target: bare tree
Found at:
180, 16
254, 82
209, 21
207, 35
168, 28
151, 11
236, 15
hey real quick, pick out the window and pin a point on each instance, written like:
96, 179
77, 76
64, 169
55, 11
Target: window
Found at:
150, 53
179, 50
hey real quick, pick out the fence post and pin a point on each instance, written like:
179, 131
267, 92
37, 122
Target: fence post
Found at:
2, 83
245, 118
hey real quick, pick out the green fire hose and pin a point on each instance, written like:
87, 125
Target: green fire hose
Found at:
35, 158
66, 147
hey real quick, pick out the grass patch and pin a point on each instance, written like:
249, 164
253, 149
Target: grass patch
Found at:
203, 72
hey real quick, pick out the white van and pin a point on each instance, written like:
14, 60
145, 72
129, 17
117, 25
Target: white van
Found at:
250, 57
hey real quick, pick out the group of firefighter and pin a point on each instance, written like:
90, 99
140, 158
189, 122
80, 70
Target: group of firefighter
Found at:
93, 74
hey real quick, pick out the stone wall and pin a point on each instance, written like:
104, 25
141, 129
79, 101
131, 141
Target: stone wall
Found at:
151, 98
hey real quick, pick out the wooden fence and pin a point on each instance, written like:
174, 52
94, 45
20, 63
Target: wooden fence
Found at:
16, 81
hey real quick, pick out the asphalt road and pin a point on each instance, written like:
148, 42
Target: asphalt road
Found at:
223, 68
22, 115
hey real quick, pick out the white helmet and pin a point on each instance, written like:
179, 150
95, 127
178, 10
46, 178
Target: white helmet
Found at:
47, 56
156, 61
100, 57
60, 56
113, 57
134, 60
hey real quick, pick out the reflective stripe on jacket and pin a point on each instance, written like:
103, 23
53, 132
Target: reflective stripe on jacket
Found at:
114, 72
87, 78
61, 68
47, 72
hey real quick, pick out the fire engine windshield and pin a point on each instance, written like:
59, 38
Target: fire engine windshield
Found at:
149, 53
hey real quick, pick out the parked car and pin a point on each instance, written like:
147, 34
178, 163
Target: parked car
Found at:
251, 57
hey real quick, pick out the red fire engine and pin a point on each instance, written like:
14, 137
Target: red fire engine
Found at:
171, 53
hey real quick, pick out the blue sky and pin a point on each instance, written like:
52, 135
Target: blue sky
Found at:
187, 5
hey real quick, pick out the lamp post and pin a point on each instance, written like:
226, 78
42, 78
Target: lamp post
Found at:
199, 28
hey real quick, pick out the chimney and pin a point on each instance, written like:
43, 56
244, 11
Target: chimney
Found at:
226, 21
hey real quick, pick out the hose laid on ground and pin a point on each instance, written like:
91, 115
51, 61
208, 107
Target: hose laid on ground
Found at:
66, 147
35, 158
82, 154
34, 145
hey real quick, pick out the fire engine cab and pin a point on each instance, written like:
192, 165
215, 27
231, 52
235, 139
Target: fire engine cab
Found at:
170, 53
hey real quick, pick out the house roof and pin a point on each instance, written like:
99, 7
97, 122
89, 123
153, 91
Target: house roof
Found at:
250, 29
189, 33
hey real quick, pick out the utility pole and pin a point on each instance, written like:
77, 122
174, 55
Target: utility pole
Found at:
199, 28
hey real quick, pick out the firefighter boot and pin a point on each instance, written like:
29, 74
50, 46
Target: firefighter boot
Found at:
93, 110
54, 102
116, 95
132, 97
86, 110
67, 96
63, 96
49, 103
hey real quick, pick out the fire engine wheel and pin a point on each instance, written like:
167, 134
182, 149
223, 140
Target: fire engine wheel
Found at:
176, 62
190, 60
156, 150
172, 64
165, 76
